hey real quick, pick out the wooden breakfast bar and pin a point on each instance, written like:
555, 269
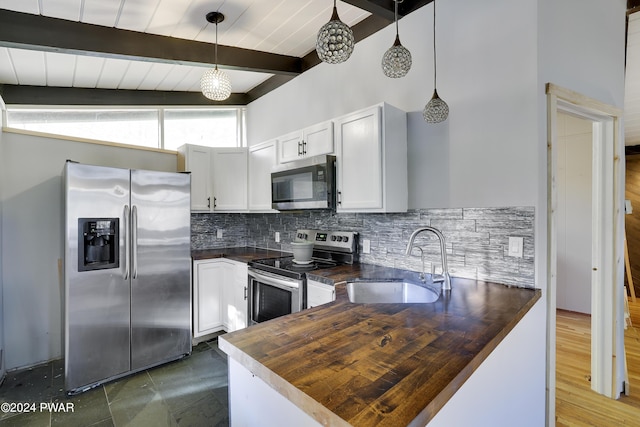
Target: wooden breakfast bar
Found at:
375, 364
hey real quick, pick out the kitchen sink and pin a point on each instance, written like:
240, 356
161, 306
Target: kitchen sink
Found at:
390, 291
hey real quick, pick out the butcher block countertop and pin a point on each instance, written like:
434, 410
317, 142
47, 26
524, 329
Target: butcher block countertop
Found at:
379, 364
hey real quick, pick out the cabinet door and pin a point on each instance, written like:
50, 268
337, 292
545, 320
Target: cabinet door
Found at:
319, 293
198, 162
229, 167
262, 158
207, 297
318, 139
290, 147
359, 160
241, 296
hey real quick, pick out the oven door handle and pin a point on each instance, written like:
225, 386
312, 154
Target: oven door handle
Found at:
269, 279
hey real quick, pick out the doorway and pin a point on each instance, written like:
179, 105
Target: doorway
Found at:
574, 217
607, 231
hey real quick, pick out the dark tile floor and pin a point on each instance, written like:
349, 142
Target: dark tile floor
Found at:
189, 392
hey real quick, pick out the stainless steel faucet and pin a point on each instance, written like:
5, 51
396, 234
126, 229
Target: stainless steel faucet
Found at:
445, 279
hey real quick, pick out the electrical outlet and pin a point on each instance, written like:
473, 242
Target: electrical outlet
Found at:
366, 246
277, 236
219, 233
516, 247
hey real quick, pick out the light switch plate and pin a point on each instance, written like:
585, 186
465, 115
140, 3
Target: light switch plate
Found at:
366, 246
516, 247
277, 236
219, 233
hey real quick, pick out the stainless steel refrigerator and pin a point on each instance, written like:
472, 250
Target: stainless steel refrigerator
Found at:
127, 272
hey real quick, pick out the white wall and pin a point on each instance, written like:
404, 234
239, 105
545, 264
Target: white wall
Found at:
573, 213
30, 172
494, 59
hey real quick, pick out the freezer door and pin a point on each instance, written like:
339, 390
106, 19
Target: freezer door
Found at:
97, 334
160, 267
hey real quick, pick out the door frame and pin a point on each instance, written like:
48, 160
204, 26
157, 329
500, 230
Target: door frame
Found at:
607, 302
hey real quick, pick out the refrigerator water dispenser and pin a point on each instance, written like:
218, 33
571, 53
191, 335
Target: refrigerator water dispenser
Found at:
97, 243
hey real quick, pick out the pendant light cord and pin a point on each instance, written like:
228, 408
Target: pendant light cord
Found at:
216, 47
435, 68
396, 16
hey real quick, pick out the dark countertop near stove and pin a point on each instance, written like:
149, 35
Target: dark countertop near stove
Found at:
242, 254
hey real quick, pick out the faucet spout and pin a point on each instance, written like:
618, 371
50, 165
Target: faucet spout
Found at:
446, 279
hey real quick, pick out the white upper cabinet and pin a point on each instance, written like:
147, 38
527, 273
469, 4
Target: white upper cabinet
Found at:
197, 160
371, 156
218, 177
311, 141
229, 176
262, 158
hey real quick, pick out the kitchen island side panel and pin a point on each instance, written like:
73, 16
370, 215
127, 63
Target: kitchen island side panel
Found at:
508, 389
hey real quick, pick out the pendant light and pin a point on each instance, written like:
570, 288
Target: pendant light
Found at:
396, 61
215, 84
335, 40
436, 110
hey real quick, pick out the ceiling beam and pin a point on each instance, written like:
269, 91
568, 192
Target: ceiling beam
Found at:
48, 95
27, 31
385, 8
382, 8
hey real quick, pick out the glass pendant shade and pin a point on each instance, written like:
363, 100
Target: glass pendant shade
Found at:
396, 61
436, 110
335, 40
215, 84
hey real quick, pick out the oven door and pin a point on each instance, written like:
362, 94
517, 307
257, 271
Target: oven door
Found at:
272, 296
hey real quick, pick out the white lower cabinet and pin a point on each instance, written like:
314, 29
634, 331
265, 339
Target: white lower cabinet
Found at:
319, 293
219, 296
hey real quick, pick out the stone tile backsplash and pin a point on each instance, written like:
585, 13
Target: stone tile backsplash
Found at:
476, 238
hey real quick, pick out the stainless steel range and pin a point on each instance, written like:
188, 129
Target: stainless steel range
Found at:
277, 286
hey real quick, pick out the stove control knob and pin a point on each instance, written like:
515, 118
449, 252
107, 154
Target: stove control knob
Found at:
339, 238
333, 238
345, 239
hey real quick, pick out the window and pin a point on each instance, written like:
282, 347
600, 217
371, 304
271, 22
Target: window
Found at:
166, 128
212, 128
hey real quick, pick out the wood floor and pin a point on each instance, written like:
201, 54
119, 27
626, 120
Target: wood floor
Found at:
576, 403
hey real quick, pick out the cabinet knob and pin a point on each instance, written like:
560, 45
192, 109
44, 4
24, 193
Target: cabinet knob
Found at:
209, 202
299, 148
215, 199
339, 197
304, 147
245, 293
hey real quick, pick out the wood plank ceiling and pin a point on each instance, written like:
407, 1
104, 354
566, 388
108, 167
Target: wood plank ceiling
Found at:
153, 52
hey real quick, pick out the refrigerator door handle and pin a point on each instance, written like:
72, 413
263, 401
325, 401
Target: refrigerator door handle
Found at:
134, 241
126, 241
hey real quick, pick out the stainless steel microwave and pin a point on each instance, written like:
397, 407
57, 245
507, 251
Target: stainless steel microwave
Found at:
305, 184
